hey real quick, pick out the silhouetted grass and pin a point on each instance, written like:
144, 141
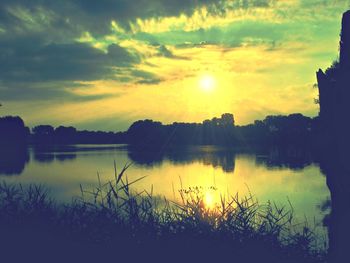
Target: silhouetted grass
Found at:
119, 223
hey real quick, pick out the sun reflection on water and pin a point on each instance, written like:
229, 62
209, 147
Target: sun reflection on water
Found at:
209, 200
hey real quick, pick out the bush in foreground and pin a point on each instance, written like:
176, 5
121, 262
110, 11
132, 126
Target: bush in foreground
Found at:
111, 222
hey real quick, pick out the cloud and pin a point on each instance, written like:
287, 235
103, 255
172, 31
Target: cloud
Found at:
31, 68
163, 51
49, 49
145, 77
232, 35
33, 60
89, 15
96, 16
47, 91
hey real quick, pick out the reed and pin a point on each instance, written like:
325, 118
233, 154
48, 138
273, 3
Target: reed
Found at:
112, 215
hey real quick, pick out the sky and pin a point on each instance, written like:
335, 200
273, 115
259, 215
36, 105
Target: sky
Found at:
101, 65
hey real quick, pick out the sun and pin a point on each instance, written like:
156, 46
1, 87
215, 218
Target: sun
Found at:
207, 83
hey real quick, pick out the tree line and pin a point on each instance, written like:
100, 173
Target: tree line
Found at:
294, 129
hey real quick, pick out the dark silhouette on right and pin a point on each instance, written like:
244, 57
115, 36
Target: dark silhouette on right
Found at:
334, 100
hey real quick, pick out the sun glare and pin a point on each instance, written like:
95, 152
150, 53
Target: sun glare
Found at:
209, 200
207, 83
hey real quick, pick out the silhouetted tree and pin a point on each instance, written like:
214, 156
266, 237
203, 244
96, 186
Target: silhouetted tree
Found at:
13, 140
43, 134
218, 131
147, 132
227, 120
334, 123
294, 129
13, 132
65, 135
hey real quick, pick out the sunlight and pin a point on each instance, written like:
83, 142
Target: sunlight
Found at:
209, 200
207, 83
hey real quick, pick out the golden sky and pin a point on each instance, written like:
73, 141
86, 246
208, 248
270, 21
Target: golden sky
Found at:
101, 66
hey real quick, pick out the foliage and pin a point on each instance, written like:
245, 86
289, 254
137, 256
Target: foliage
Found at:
113, 215
334, 70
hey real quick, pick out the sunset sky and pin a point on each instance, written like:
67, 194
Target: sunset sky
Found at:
101, 65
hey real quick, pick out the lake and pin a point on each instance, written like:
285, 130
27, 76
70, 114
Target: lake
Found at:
274, 176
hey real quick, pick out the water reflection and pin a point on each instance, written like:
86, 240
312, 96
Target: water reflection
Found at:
335, 164
287, 157
208, 155
51, 157
270, 175
48, 154
13, 160
44, 158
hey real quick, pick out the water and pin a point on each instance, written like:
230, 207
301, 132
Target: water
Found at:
269, 176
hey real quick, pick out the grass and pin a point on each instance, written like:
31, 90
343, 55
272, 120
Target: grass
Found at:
113, 222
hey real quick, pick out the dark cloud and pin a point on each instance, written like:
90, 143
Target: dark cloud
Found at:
145, 77
40, 57
33, 60
149, 81
96, 16
38, 43
58, 91
32, 68
163, 51
132, 75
